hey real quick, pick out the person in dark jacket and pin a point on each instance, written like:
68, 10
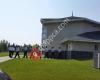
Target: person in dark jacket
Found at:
25, 50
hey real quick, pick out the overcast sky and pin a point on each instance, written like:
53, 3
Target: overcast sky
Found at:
20, 19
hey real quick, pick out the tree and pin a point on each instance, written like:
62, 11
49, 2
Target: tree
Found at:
3, 45
35, 45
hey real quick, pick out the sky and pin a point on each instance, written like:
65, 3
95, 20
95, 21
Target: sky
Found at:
20, 19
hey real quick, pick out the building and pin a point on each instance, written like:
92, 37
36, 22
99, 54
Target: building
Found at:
79, 38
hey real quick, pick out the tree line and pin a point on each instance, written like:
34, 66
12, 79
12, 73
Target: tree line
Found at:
4, 45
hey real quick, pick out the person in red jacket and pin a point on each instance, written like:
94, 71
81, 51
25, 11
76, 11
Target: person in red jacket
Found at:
35, 54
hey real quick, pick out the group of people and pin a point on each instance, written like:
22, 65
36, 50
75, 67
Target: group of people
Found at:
17, 49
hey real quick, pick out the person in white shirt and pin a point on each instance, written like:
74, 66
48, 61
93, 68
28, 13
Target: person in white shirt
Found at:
17, 50
10, 51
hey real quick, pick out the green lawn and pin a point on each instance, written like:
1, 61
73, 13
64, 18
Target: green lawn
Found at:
3, 54
25, 69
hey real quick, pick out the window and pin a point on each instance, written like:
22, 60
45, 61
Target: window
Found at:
96, 47
52, 47
59, 47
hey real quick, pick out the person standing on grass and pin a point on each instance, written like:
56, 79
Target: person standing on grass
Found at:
17, 50
25, 50
10, 51
13, 50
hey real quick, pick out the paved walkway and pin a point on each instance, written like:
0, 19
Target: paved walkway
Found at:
3, 59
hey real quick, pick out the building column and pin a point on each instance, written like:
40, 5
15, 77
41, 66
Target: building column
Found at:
70, 47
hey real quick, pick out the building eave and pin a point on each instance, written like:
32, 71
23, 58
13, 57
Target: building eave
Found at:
79, 39
71, 19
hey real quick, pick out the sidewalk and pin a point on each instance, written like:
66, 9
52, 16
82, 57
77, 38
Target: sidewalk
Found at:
3, 59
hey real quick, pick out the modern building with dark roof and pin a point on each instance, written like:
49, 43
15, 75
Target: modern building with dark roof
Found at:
79, 38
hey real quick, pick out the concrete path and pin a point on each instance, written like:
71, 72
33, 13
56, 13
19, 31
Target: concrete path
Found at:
3, 59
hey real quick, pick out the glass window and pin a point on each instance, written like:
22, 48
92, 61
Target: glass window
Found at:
96, 47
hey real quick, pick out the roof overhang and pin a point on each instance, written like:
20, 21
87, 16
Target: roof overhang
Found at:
79, 39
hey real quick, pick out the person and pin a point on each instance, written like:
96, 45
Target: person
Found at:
46, 52
13, 50
17, 49
10, 51
35, 54
25, 49
29, 48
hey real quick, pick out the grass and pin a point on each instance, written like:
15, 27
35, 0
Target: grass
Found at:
2, 54
25, 69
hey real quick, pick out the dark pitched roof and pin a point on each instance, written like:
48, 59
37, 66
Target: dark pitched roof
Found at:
91, 35
79, 39
85, 37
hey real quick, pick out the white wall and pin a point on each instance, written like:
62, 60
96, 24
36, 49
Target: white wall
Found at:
72, 29
84, 46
